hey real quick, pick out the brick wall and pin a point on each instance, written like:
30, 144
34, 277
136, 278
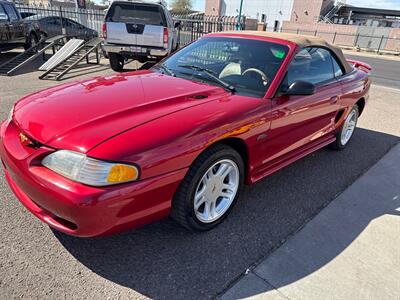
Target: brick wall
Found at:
306, 11
345, 34
213, 7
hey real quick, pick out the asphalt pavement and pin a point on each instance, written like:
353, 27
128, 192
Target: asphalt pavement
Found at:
385, 72
163, 260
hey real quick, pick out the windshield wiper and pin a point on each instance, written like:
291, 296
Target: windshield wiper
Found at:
211, 75
166, 70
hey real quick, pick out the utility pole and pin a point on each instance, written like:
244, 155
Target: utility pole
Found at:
240, 16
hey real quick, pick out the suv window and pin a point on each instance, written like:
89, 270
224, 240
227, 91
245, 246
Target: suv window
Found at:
73, 24
314, 65
137, 14
12, 14
53, 21
3, 15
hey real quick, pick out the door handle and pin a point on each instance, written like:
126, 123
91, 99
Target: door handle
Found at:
334, 99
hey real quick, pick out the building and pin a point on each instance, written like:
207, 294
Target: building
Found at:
274, 12
348, 14
266, 11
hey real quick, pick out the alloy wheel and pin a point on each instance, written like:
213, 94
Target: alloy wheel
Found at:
348, 127
216, 191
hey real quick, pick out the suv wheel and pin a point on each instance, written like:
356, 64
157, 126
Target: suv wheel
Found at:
116, 62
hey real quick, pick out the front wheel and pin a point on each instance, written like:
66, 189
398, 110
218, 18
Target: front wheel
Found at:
345, 133
116, 62
31, 41
210, 189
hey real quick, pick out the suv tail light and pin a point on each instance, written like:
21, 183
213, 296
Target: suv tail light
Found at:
165, 37
104, 29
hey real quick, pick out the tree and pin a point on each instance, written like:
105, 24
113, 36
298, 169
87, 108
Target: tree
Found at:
181, 6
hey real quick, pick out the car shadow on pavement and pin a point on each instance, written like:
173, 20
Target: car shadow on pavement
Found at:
163, 260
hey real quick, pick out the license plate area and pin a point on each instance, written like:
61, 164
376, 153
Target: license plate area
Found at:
136, 49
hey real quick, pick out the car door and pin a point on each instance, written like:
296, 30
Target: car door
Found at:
52, 26
4, 28
70, 28
300, 120
16, 25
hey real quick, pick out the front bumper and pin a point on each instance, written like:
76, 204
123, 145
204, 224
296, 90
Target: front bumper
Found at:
77, 209
135, 50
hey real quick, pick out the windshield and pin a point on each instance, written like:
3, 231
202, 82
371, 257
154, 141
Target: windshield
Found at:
246, 65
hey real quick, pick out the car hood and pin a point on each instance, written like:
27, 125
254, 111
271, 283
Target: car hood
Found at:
80, 115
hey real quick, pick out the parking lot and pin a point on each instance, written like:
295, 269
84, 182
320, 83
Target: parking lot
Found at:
165, 261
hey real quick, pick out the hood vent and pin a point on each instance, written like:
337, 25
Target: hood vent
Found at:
199, 97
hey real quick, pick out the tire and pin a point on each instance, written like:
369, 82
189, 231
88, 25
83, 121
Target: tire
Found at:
341, 139
32, 40
211, 160
116, 62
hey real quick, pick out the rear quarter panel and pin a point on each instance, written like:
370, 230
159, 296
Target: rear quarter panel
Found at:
355, 85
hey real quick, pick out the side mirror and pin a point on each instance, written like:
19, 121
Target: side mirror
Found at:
177, 24
3, 17
300, 87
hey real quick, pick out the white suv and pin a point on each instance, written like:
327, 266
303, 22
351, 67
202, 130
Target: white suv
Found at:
138, 30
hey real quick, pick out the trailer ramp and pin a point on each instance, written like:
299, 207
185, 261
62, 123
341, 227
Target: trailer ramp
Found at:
63, 66
65, 51
29, 55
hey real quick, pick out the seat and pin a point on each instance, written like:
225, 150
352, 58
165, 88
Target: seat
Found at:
231, 69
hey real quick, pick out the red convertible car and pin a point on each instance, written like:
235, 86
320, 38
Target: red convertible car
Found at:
96, 157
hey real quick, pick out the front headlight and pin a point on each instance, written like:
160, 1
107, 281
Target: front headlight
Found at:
90, 171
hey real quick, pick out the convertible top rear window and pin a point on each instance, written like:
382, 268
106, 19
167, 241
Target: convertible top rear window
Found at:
248, 65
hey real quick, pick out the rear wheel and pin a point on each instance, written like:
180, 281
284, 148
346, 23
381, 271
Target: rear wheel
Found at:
345, 133
210, 189
116, 62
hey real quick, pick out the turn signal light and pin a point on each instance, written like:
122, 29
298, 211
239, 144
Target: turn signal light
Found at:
121, 173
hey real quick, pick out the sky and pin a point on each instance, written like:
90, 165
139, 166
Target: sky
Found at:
199, 5
385, 4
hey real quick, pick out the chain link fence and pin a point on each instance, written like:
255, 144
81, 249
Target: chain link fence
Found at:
377, 43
